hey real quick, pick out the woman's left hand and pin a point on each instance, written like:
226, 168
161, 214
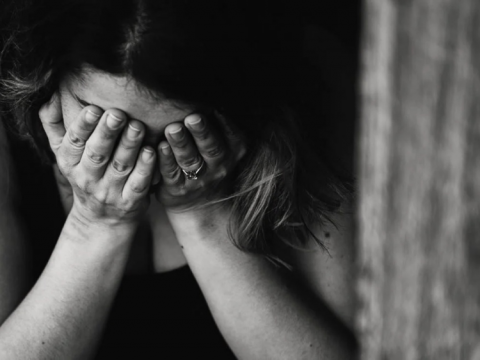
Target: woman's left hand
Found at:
196, 161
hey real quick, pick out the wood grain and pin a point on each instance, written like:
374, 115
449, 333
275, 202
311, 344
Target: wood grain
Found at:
419, 180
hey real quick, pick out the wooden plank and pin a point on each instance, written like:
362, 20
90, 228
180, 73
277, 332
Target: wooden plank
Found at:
419, 180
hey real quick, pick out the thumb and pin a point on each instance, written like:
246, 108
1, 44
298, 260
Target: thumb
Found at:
52, 121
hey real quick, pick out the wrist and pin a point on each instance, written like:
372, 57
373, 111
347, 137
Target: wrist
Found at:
204, 223
85, 229
85, 218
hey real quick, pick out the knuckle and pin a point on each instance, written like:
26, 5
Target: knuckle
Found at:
191, 161
120, 168
137, 187
202, 135
128, 203
182, 144
129, 145
170, 173
172, 180
144, 172
169, 169
215, 151
95, 157
101, 197
107, 135
85, 126
75, 140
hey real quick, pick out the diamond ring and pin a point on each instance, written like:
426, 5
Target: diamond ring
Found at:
192, 175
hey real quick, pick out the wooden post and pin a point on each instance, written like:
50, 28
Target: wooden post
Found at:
419, 180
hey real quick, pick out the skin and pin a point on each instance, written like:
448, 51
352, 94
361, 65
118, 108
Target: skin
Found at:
109, 92
63, 315
262, 312
157, 119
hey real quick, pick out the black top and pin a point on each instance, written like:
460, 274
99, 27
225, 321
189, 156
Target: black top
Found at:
161, 316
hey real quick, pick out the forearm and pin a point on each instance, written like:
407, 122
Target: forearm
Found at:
260, 311
63, 315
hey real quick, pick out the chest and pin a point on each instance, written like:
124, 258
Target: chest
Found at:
155, 248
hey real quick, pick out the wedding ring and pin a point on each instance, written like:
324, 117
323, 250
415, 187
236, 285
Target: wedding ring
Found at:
192, 175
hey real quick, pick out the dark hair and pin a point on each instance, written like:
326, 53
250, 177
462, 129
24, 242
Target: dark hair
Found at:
242, 58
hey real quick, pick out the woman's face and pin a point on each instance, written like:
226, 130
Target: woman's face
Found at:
107, 92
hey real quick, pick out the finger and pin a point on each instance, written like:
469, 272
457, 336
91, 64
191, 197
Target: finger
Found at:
52, 121
139, 181
77, 135
101, 143
211, 148
171, 173
126, 153
236, 141
183, 147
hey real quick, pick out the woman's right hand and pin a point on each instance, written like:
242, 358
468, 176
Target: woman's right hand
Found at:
110, 184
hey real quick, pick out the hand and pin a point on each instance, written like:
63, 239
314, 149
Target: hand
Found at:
207, 158
110, 185
64, 189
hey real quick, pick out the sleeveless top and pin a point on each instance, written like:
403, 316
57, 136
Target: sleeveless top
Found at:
157, 315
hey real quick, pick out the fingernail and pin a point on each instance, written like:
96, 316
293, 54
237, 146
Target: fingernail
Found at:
166, 150
133, 127
147, 154
195, 122
113, 121
133, 132
177, 134
91, 116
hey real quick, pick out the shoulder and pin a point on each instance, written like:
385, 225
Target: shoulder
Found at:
329, 273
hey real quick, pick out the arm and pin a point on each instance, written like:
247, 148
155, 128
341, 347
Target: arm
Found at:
63, 315
329, 275
262, 312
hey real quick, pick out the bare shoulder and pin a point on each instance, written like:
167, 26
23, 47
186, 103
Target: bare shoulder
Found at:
330, 273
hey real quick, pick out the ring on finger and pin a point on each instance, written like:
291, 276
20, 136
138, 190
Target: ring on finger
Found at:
193, 175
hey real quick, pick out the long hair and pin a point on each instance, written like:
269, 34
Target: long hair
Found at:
241, 58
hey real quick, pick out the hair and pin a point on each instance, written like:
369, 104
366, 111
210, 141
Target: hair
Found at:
240, 58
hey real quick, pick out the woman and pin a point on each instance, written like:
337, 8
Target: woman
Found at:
213, 107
